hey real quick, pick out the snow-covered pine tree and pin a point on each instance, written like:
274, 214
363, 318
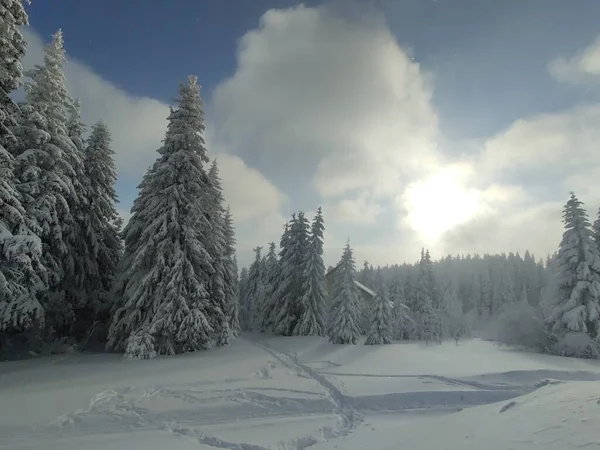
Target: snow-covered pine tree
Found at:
254, 294
314, 299
429, 316
271, 278
367, 275
22, 274
507, 295
243, 282
231, 283
487, 293
343, 323
47, 163
274, 288
380, 331
288, 308
78, 282
101, 220
163, 280
596, 230
216, 249
455, 320
578, 270
476, 294
523, 299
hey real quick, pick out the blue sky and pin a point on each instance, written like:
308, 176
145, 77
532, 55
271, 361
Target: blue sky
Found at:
464, 79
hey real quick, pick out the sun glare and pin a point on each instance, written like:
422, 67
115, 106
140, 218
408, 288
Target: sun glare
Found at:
440, 202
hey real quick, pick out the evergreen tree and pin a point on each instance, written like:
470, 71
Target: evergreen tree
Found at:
231, 283
380, 331
243, 283
523, 298
367, 275
271, 279
79, 285
164, 274
430, 320
476, 294
314, 297
254, 294
22, 274
47, 163
345, 305
456, 324
288, 308
596, 230
487, 293
508, 292
216, 249
101, 220
578, 269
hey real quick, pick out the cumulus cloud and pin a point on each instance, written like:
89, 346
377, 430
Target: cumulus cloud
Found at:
583, 67
566, 140
332, 98
248, 192
359, 211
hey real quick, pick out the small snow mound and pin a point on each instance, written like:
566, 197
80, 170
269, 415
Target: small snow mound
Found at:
299, 443
265, 373
546, 382
508, 406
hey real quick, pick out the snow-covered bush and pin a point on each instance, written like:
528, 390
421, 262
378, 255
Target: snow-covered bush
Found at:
578, 345
522, 325
140, 345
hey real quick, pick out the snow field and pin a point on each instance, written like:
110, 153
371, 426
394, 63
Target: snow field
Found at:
299, 392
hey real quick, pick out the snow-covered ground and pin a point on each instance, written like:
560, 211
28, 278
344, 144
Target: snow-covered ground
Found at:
294, 393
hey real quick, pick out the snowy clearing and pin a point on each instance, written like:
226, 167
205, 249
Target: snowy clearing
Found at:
293, 393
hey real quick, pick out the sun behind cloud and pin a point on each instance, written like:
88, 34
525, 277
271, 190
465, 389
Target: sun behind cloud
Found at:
440, 202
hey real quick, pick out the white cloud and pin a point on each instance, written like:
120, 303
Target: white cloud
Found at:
247, 191
565, 140
336, 99
583, 67
359, 211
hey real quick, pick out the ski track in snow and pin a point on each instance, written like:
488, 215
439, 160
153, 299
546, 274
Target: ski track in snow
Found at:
183, 409
350, 418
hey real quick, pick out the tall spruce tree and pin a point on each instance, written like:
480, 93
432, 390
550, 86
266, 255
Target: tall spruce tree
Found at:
508, 294
578, 271
216, 247
243, 283
78, 284
344, 320
380, 330
367, 275
47, 163
22, 274
596, 230
254, 294
431, 323
271, 278
101, 221
288, 308
231, 280
165, 272
275, 290
314, 299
